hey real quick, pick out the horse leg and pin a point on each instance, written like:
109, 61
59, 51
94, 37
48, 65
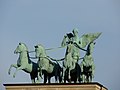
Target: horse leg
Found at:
84, 79
78, 78
45, 80
32, 78
89, 79
93, 71
57, 74
81, 77
49, 78
60, 79
64, 69
33, 75
12, 65
78, 70
39, 74
65, 76
56, 80
69, 74
45, 76
69, 70
19, 68
39, 77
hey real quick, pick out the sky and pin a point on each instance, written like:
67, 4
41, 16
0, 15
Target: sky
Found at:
47, 21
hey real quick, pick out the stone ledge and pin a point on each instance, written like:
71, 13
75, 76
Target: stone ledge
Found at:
56, 86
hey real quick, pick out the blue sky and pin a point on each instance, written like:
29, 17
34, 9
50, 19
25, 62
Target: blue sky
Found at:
46, 22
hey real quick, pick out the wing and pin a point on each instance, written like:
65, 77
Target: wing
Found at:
85, 39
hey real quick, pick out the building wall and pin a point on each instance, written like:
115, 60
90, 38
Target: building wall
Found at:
90, 86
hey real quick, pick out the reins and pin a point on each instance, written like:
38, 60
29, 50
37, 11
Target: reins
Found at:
48, 57
48, 49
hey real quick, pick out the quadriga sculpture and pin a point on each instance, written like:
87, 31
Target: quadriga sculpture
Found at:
24, 63
70, 68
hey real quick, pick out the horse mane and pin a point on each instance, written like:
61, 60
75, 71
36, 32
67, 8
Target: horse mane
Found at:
24, 45
29, 61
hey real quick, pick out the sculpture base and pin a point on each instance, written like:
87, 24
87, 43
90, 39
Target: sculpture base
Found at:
56, 86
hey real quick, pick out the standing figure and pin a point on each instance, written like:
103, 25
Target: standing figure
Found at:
72, 55
77, 44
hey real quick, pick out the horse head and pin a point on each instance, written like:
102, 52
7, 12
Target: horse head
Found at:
20, 48
39, 51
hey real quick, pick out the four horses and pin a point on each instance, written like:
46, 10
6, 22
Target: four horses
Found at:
71, 70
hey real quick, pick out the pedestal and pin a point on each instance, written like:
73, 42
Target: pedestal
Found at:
56, 86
